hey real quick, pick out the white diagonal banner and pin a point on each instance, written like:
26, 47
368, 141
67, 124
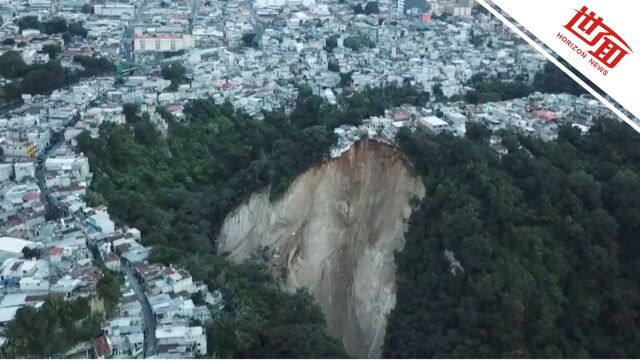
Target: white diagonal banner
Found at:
599, 40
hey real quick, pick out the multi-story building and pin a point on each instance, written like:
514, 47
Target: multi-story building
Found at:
64, 170
163, 42
182, 338
18, 149
125, 11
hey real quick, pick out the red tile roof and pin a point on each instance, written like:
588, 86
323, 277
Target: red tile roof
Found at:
101, 347
31, 197
547, 115
53, 251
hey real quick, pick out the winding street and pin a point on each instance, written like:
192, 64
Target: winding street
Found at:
151, 345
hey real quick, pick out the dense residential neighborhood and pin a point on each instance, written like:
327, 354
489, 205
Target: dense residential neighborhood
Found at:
70, 66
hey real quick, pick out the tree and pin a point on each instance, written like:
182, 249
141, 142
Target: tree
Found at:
43, 80
553, 80
52, 50
511, 142
495, 90
76, 28
358, 9
95, 199
535, 231
198, 298
94, 66
569, 133
30, 22
371, 8
52, 213
331, 43
56, 25
145, 132
476, 40
131, 112
545, 235
8, 42
477, 132
357, 42
29, 253
333, 66
87, 9
109, 291
345, 79
436, 89
11, 64
29, 334
174, 72
250, 40
66, 37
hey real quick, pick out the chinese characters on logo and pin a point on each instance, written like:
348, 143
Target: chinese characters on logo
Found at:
607, 46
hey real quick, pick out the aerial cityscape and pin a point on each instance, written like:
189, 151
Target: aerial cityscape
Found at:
238, 178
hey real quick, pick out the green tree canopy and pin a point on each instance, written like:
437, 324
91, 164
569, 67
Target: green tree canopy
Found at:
250, 39
174, 72
545, 236
51, 330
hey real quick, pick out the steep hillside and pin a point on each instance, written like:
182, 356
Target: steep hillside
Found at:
335, 232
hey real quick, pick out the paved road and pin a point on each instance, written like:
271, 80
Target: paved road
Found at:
194, 10
151, 347
40, 179
258, 28
127, 36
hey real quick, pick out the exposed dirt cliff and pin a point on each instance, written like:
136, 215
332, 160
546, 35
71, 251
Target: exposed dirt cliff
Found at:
334, 232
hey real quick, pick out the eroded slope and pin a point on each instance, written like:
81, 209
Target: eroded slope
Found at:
334, 232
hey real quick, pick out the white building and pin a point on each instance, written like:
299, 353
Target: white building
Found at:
434, 124
34, 284
124, 11
40, 138
15, 268
18, 148
40, 4
24, 170
400, 8
79, 165
101, 222
163, 42
193, 338
6, 171
12, 247
179, 279
7, 314
62, 171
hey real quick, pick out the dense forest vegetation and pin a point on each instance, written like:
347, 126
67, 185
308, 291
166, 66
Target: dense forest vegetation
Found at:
69, 322
544, 234
30, 79
43, 78
550, 80
56, 25
259, 320
51, 330
546, 237
178, 190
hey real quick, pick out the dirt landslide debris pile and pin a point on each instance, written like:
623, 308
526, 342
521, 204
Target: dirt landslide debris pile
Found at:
334, 232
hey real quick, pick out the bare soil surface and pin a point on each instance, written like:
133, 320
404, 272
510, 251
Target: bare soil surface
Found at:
334, 232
